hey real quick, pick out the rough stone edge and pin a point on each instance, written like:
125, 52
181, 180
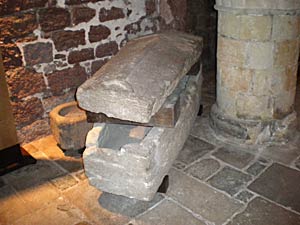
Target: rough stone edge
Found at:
251, 131
149, 184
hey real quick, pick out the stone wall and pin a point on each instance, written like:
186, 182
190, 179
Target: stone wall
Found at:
50, 47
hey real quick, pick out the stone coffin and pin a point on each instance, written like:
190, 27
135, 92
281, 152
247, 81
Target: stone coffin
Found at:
132, 161
135, 83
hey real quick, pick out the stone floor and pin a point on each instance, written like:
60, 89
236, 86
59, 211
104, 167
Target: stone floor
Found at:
211, 182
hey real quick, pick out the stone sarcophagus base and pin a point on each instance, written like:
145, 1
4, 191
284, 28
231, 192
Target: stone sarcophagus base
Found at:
133, 160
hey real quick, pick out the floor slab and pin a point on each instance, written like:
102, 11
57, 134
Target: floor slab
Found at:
280, 184
200, 198
263, 212
230, 180
193, 149
167, 212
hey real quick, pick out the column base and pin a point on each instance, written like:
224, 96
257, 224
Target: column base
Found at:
254, 132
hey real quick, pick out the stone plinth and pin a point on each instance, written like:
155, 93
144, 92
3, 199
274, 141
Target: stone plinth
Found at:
135, 163
258, 48
135, 83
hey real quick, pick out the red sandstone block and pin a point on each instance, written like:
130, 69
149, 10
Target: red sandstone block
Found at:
38, 53
54, 19
80, 56
23, 83
98, 33
64, 40
69, 78
27, 111
82, 14
111, 14
107, 49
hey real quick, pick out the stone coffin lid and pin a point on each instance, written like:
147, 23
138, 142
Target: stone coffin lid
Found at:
135, 83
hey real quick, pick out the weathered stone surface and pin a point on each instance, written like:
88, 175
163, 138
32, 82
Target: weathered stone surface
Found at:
280, 184
201, 199
20, 83
259, 4
8, 7
88, 203
82, 14
14, 27
203, 169
262, 212
235, 157
97, 64
244, 196
127, 206
75, 2
38, 53
150, 7
58, 211
64, 40
150, 159
98, 33
54, 19
8, 198
107, 49
36, 130
229, 180
193, 149
256, 168
166, 116
81, 55
68, 78
257, 42
167, 213
111, 14
69, 126
27, 110
12, 57
126, 87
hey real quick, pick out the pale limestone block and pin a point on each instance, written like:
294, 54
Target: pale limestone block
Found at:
231, 51
285, 27
260, 4
286, 53
284, 103
288, 4
254, 107
226, 101
255, 27
261, 82
284, 79
229, 25
235, 78
260, 55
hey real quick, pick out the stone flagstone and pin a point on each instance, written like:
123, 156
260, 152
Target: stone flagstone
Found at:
201, 199
280, 184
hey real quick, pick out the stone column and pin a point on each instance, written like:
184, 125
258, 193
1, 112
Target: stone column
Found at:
258, 48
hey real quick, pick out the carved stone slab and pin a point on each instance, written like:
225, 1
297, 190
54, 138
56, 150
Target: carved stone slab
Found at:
135, 83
